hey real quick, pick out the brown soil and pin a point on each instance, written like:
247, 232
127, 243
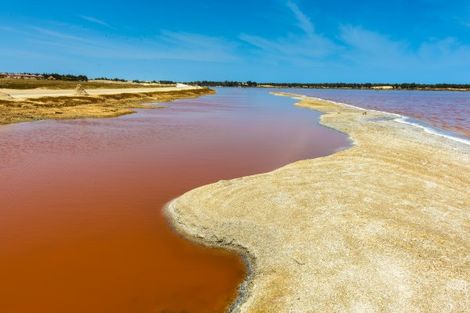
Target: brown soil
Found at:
72, 107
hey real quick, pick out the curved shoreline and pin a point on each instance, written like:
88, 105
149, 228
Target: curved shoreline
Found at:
398, 118
247, 257
227, 213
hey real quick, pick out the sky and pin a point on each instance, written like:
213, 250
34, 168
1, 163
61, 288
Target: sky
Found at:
423, 41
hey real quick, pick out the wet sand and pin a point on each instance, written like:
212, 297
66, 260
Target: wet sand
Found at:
81, 226
382, 226
445, 110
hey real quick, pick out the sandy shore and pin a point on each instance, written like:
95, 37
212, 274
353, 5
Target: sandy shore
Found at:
383, 226
21, 105
22, 94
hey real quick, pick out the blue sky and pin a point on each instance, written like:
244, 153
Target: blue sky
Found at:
425, 41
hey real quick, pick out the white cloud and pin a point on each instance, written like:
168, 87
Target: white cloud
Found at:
349, 52
202, 46
369, 41
307, 47
165, 45
363, 46
94, 20
57, 34
357, 52
371, 51
292, 46
303, 21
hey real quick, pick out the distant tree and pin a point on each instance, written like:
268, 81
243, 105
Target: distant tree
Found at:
67, 77
337, 85
111, 79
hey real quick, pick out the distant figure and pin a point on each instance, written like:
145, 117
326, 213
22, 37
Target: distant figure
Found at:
364, 113
80, 91
5, 96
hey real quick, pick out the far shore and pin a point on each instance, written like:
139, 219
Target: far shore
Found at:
338, 85
21, 105
378, 88
381, 226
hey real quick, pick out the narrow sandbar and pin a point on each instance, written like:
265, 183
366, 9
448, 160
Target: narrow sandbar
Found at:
383, 226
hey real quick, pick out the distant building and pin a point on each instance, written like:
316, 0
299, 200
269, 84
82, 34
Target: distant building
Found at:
382, 87
21, 76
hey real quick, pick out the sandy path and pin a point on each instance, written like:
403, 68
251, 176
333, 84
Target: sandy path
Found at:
38, 93
381, 227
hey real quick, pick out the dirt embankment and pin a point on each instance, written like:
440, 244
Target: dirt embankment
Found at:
21, 106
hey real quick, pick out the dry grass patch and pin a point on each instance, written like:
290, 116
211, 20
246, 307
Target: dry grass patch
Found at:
10, 83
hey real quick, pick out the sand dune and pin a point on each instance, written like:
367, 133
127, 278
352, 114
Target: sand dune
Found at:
381, 227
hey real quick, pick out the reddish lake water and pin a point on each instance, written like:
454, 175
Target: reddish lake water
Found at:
81, 226
448, 110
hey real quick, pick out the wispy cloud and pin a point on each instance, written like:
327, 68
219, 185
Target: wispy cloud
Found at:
303, 21
57, 34
292, 46
94, 20
197, 46
14, 30
164, 45
357, 50
371, 51
309, 46
345, 52
368, 47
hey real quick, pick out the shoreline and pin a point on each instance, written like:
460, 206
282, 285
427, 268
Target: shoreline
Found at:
202, 214
35, 93
249, 260
44, 104
306, 87
400, 118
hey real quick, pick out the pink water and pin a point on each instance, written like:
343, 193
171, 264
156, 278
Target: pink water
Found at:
81, 227
447, 110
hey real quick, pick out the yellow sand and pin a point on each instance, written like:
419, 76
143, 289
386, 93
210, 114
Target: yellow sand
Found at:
17, 105
21, 94
383, 226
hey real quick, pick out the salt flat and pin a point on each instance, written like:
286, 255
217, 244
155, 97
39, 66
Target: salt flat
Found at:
383, 226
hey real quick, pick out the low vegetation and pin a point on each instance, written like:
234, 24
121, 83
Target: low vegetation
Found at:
385, 86
13, 83
68, 81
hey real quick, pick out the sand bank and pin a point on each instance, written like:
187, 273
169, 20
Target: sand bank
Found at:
22, 94
383, 226
20, 105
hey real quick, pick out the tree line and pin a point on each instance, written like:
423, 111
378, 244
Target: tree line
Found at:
67, 77
231, 83
403, 86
